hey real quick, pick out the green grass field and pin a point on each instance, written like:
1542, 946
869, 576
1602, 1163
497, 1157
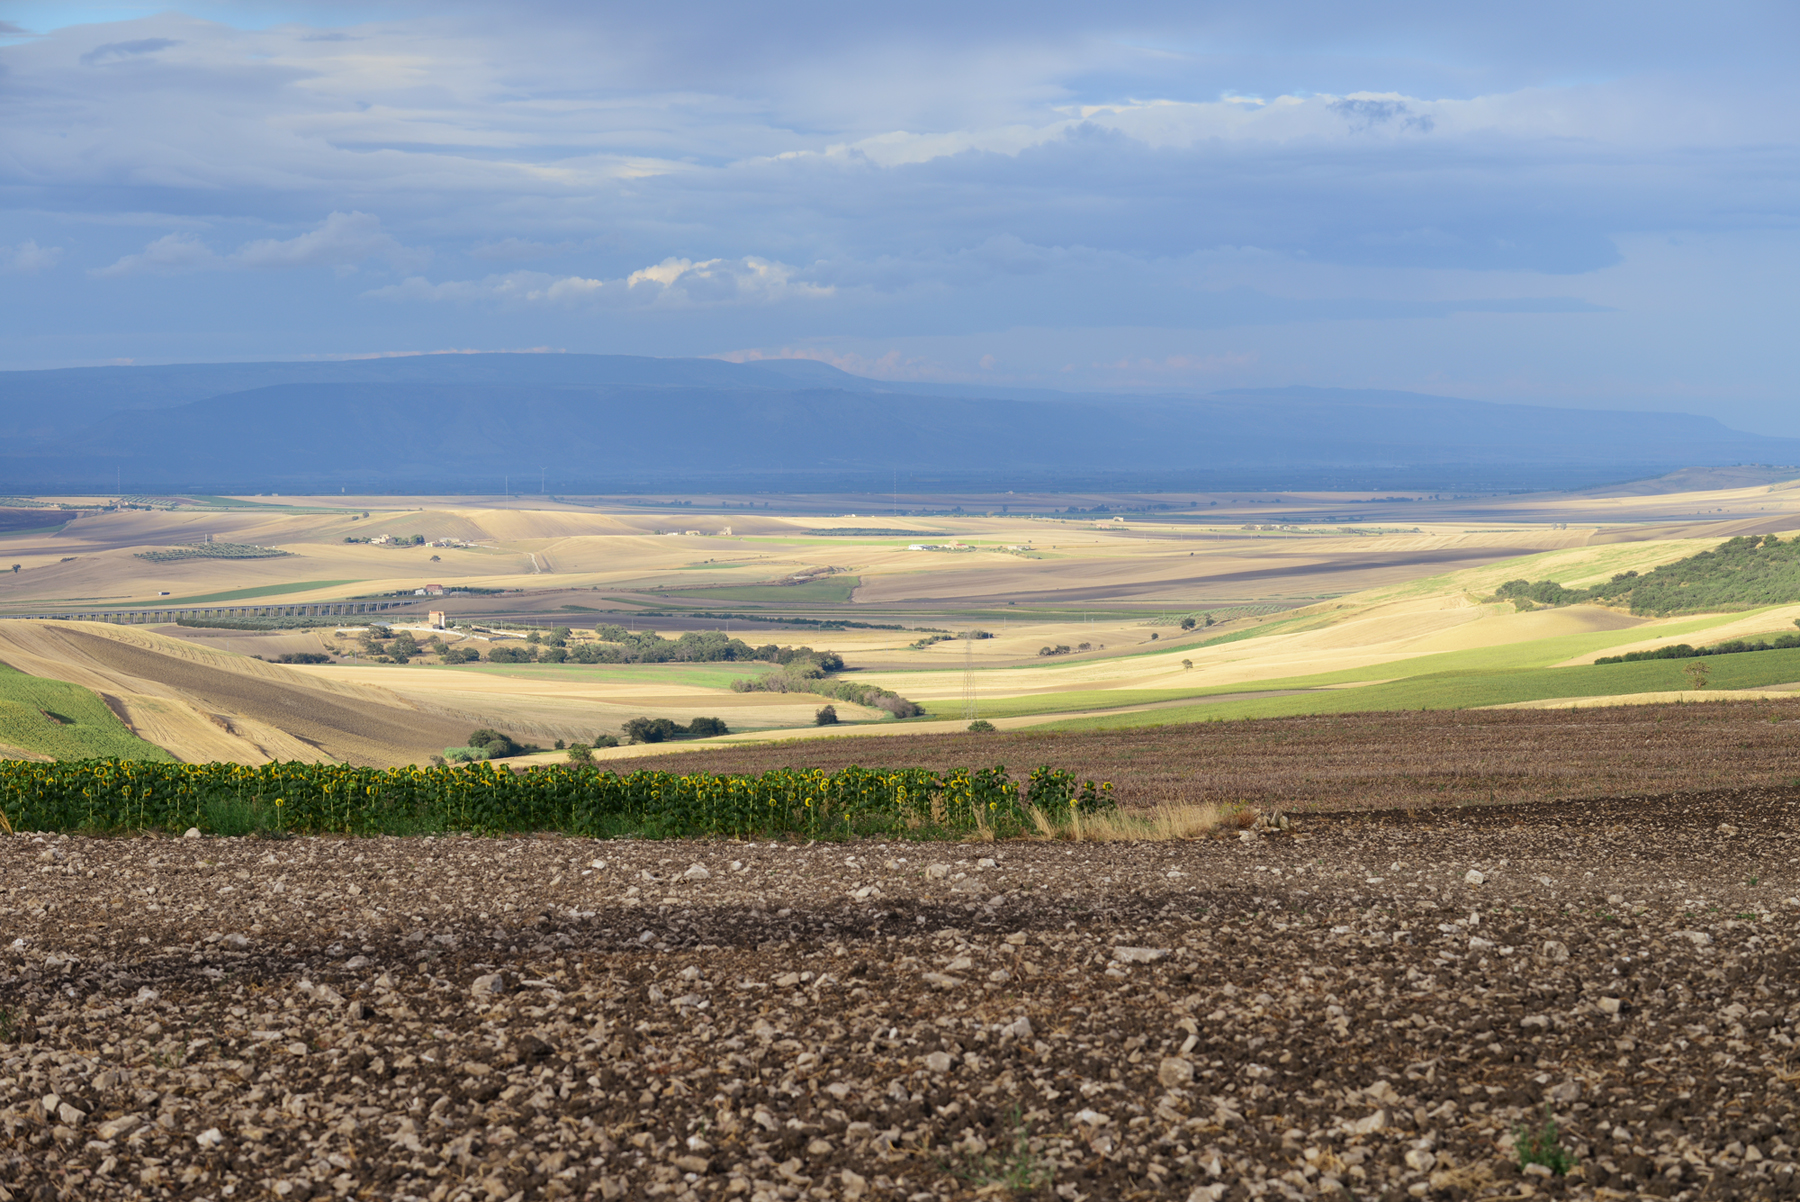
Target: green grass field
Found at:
1406, 693
243, 594
1469, 688
33, 530
65, 721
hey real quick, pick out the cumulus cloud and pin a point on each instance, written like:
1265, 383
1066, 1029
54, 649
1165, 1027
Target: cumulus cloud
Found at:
342, 240
30, 258
672, 283
171, 254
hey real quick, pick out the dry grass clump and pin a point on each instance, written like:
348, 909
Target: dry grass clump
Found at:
1168, 820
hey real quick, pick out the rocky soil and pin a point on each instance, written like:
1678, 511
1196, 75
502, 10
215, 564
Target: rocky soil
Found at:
1369, 1006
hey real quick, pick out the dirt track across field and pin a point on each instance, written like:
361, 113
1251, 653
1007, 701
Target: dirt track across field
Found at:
1373, 1005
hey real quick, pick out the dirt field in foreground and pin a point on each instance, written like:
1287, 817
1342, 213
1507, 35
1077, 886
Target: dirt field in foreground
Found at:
1368, 1007
1380, 760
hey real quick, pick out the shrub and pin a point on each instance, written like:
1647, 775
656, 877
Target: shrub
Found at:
1543, 1146
465, 755
827, 716
981, 726
606, 741
580, 753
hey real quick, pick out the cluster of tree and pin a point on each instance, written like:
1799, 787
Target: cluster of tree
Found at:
1059, 649
621, 646
301, 657
1189, 622
658, 730
944, 636
1741, 573
1527, 594
396, 540
387, 647
873, 696
489, 744
1782, 642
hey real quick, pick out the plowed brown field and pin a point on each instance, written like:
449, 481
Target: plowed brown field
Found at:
1377, 760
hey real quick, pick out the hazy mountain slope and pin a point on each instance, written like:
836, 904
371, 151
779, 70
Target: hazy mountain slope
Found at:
607, 422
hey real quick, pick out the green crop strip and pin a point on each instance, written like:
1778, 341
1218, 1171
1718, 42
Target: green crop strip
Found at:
278, 799
65, 721
1471, 688
240, 594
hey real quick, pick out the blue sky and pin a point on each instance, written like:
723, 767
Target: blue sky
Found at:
1589, 204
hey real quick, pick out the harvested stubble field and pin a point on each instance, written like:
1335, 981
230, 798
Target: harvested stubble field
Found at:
1373, 760
1339, 1011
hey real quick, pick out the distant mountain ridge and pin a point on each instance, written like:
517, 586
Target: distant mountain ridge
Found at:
600, 423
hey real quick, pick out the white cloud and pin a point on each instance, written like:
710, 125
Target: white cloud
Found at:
672, 283
171, 254
342, 240
28, 257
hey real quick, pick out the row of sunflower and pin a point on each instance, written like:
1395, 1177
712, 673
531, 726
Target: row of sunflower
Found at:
482, 798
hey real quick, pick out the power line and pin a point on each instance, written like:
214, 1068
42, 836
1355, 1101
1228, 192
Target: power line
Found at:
969, 675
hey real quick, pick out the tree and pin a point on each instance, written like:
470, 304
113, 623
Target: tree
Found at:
827, 716
1187, 623
1697, 673
650, 730
1187, 663
497, 745
580, 753
15, 569
708, 727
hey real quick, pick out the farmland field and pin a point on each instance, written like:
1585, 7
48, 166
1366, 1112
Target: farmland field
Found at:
1289, 612
63, 721
1352, 760
246, 594
886, 1020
